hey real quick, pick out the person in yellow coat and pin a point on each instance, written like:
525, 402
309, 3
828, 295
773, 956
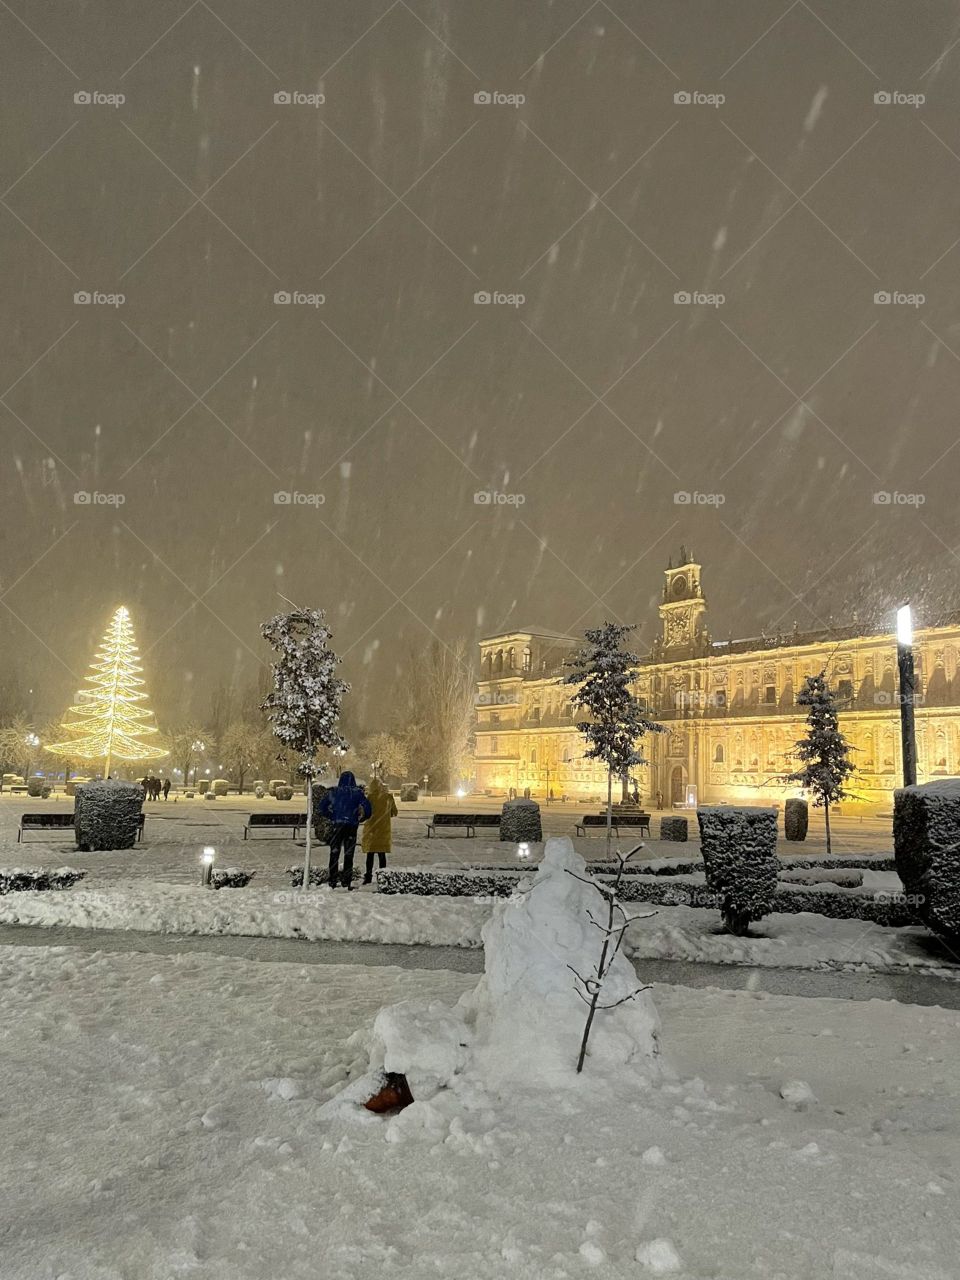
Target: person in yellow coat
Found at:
376, 829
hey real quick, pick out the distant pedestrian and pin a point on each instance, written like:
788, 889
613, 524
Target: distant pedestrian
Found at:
659, 799
376, 830
166, 788
636, 795
346, 806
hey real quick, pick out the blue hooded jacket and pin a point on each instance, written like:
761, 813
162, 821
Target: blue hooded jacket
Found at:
346, 803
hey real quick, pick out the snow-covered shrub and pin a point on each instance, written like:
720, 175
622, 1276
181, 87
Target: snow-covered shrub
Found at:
283, 792
520, 821
73, 786
258, 782
209, 795
36, 786
444, 883
848, 878
796, 818
409, 792
674, 829
318, 876
230, 878
22, 880
739, 848
258, 792
926, 842
322, 827
276, 782
221, 786
107, 815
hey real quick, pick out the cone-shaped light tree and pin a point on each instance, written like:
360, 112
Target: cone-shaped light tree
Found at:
109, 720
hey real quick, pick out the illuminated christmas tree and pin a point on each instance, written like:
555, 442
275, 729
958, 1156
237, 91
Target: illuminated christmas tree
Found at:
110, 721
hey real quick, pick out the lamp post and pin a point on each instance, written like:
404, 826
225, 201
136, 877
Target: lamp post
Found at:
908, 735
207, 859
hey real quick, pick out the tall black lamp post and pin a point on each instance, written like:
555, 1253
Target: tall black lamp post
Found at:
908, 735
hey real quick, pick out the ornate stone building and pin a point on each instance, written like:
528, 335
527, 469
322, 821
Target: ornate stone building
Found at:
729, 707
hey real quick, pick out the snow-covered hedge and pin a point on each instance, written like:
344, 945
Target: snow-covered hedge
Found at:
926, 840
22, 879
220, 786
673, 828
322, 827
796, 818
458, 884
230, 878
739, 848
107, 815
318, 875
520, 821
283, 792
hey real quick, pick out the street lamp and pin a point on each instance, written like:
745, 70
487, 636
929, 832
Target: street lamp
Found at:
206, 865
908, 736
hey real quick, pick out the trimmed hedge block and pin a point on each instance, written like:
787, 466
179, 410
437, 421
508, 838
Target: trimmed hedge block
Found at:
520, 822
796, 819
220, 787
739, 848
21, 880
457, 884
230, 878
283, 792
674, 829
926, 841
318, 876
107, 815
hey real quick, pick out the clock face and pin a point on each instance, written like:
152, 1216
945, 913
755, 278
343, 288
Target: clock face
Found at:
679, 585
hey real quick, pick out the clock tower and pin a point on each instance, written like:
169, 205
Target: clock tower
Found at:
682, 611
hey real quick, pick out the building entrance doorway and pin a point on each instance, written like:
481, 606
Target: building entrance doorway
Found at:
676, 786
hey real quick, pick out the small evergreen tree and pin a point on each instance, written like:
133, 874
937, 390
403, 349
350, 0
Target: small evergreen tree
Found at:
304, 706
602, 670
824, 753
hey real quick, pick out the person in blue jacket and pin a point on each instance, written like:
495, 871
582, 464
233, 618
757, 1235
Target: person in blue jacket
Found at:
346, 806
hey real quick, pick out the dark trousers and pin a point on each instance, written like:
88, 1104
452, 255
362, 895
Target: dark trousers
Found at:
368, 876
342, 836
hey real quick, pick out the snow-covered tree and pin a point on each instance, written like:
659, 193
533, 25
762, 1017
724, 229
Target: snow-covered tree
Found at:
602, 671
390, 752
244, 747
439, 712
304, 705
824, 754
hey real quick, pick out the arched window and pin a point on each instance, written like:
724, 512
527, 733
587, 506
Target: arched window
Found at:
718, 754
498, 662
527, 657
533, 755
512, 659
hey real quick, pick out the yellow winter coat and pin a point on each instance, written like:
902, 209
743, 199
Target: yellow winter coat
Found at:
376, 829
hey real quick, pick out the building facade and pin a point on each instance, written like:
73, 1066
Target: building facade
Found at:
729, 708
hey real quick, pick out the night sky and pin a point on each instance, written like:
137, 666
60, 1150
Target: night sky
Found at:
591, 403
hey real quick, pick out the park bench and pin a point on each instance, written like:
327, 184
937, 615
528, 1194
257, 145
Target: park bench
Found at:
55, 822
469, 820
635, 820
285, 821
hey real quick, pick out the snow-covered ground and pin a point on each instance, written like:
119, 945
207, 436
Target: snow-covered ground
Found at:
804, 940
160, 1118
